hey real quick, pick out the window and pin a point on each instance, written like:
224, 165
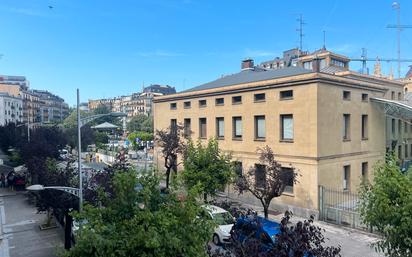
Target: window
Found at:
187, 105
399, 96
187, 130
173, 125
220, 101
260, 97
393, 95
346, 177
337, 63
237, 127
307, 65
346, 95
260, 175
400, 152
286, 127
346, 126
238, 167
364, 126
287, 94
393, 127
202, 103
236, 99
220, 128
365, 97
406, 151
399, 127
288, 175
364, 172
260, 127
202, 128
173, 106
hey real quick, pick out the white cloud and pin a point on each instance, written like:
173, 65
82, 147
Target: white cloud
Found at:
258, 53
25, 11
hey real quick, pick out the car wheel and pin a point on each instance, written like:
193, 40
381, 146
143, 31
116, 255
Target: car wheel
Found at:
216, 239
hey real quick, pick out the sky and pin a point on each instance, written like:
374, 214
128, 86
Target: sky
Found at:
109, 48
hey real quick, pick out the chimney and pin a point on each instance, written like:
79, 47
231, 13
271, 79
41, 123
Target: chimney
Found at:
316, 64
247, 64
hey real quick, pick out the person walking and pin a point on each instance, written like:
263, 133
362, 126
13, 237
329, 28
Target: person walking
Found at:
10, 180
2, 180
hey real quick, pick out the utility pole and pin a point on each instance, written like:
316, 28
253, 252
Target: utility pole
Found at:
324, 39
300, 30
79, 152
396, 6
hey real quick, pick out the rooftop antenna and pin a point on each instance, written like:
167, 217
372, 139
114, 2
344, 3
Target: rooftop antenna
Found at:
300, 30
396, 6
324, 39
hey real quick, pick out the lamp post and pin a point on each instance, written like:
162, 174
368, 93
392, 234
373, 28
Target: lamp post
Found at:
80, 123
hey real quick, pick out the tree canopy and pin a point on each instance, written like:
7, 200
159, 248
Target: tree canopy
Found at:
206, 167
140, 122
386, 206
142, 223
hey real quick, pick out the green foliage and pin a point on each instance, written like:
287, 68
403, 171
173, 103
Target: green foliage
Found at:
100, 138
386, 205
143, 136
142, 223
140, 122
16, 159
71, 120
206, 167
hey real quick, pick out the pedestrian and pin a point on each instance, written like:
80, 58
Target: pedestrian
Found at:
10, 180
2, 180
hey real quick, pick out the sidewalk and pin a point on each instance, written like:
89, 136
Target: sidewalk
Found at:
20, 229
353, 242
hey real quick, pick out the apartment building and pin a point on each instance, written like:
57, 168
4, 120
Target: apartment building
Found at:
52, 107
11, 109
331, 125
134, 104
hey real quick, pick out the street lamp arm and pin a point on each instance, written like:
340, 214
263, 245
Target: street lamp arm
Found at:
70, 190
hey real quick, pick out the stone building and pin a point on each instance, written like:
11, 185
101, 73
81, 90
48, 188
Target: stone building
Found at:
330, 123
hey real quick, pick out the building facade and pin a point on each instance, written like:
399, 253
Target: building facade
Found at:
52, 107
134, 104
11, 109
326, 125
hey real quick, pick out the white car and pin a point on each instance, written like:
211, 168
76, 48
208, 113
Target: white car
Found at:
225, 223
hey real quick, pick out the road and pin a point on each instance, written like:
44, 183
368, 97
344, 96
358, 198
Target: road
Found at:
19, 226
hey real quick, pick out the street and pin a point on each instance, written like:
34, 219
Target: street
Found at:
22, 236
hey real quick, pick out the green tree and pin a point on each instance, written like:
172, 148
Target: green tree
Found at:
142, 223
206, 167
386, 205
138, 123
71, 120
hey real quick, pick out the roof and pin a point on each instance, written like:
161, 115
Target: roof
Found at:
251, 75
105, 125
395, 108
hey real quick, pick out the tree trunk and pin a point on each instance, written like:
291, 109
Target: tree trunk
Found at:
265, 208
167, 177
205, 197
68, 231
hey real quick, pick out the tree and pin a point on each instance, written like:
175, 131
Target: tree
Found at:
12, 136
142, 136
386, 205
206, 167
303, 239
267, 180
172, 144
71, 120
142, 223
140, 122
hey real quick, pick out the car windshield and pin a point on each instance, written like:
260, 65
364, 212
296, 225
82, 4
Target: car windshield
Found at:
223, 218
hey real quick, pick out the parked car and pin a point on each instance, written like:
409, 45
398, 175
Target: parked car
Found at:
224, 221
257, 228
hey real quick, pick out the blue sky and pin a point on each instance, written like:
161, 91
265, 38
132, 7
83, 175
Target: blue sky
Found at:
108, 48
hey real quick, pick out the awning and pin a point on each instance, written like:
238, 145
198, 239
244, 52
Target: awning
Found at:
105, 125
395, 108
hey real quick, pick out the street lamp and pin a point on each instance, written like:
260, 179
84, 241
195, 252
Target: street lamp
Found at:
80, 123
